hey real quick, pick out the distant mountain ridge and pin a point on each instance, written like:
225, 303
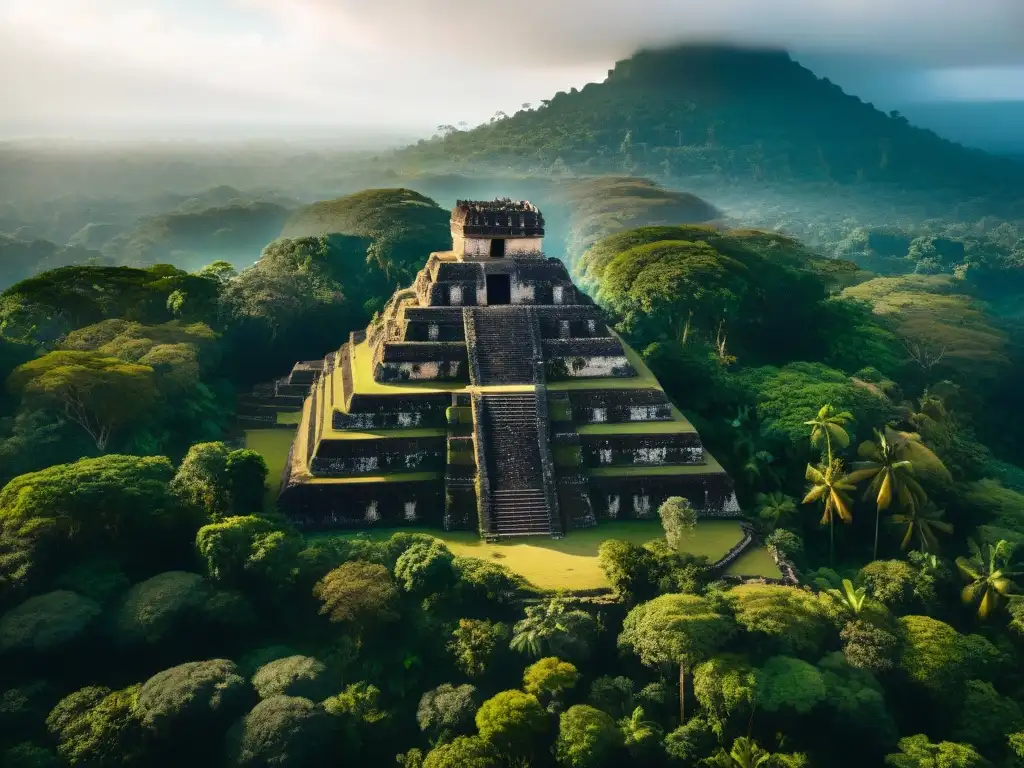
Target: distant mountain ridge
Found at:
726, 113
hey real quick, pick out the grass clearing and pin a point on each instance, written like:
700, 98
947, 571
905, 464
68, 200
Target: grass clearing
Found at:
571, 563
273, 445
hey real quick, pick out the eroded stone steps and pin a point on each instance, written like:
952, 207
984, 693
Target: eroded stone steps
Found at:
504, 345
519, 504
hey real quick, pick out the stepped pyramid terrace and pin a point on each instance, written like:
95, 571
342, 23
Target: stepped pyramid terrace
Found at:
491, 395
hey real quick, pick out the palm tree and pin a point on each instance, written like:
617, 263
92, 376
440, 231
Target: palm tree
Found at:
891, 478
827, 427
636, 730
829, 484
923, 521
745, 753
851, 598
989, 586
774, 507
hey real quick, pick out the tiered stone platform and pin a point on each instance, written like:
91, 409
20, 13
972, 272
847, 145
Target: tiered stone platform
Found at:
492, 396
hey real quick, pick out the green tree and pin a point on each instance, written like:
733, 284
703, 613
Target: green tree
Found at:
512, 721
613, 695
922, 522
48, 623
629, 568
358, 593
678, 519
425, 568
463, 752
587, 738
476, 643
869, 646
986, 718
99, 393
891, 478
745, 753
179, 609
97, 726
221, 481
828, 428
116, 506
282, 731
681, 630
199, 697
789, 686
774, 508
548, 679
301, 676
940, 659
791, 620
249, 552
552, 628
641, 737
725, 687
446, 712
918, 752
830, 485
989, 583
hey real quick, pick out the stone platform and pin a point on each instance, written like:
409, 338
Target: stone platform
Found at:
491, 395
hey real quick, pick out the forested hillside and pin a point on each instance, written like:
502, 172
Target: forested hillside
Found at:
738, 116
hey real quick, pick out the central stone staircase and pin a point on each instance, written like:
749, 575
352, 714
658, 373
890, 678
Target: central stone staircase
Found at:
518, 501
505, 345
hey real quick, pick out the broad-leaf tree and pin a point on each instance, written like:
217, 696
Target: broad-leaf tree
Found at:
97, 392
680, 630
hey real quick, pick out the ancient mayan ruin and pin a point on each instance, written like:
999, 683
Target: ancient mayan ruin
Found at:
491, 396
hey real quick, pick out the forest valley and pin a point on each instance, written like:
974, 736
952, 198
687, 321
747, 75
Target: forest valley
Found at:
154, 612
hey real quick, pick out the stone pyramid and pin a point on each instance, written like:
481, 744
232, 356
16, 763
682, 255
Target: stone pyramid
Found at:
492, 396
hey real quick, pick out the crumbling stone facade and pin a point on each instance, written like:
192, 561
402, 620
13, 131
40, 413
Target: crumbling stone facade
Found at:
492, 395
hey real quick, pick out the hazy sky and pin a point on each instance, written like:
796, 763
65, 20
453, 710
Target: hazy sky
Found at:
78, 67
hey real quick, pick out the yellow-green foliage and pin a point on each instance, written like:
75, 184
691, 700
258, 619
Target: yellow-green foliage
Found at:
549, 676
605, 205
793, 620
936, 322
365, 214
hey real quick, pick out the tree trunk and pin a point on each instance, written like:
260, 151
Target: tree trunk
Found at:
682, 694
878, 514
686, 328
832, 539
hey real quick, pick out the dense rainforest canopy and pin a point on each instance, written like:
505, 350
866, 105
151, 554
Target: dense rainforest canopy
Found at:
830, 295
852, 409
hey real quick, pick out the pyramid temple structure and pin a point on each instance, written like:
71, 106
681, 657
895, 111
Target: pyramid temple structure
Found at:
491, 395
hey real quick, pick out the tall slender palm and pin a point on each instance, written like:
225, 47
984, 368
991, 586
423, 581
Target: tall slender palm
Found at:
828, 428
922, 521
989, 584
829, 485
892, 478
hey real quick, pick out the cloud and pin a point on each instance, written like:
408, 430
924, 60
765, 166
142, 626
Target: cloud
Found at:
417, 63
933, 32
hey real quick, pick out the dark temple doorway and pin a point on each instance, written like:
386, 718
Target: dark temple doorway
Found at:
499, 289
498, 249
